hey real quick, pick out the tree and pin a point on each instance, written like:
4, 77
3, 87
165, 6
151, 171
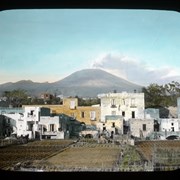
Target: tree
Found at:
16, 97
173, 92
37, 101
162, 96
154, 96
88, 101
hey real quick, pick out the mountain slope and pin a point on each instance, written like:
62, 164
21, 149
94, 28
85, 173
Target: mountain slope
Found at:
90, 82
95, 77
83, 83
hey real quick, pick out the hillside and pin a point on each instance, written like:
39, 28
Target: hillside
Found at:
83, 83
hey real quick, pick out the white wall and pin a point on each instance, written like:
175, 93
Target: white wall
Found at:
30, 116
126, 102
47, 120
32, 113
136, 127
169, 124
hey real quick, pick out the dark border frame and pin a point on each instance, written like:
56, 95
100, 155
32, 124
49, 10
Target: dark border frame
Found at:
89, 4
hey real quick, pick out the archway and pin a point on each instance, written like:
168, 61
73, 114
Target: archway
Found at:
172, 137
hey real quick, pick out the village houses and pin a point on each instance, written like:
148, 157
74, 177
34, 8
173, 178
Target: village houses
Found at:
117, 114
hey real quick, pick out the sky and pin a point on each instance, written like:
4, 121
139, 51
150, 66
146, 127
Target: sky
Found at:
141, 46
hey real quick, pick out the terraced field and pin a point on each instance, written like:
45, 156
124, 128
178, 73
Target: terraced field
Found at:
163, 154
88, 155
60, 155
12, 155
150, 148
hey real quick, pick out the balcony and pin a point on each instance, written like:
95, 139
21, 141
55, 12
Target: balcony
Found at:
113, 106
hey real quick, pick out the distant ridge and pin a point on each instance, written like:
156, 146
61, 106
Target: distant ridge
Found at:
83, 83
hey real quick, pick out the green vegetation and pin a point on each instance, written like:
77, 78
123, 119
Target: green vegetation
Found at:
88, 102
161, 95
131, 160
18, 97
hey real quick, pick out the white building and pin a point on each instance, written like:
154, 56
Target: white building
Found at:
128, 105
170, 127
25, 123
50, 127
141, 128
113, 125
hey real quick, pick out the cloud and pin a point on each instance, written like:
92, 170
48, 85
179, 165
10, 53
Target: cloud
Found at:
134, 70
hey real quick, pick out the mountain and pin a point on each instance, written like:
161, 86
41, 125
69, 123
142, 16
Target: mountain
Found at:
83, 83
32, 88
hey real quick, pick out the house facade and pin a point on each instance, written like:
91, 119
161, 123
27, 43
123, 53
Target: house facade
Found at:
128, 105
89, 115
113, 125
117, 114
141, 128
25, 123
59, 127
169, 127
50, 128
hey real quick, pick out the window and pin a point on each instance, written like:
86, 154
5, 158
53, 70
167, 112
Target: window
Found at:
123, 113
113, 103
133, 114
144, 127
31, 112
92, 115
72, 104
51, 127
82, 114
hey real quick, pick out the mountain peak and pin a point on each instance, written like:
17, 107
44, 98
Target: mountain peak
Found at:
82, 83
90, 82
